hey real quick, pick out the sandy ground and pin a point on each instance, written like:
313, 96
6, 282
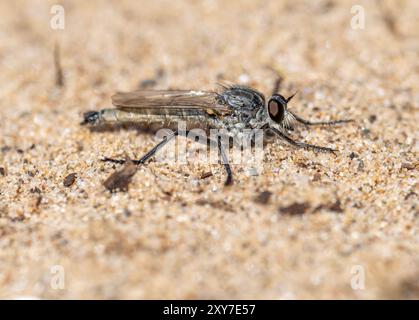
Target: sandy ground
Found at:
343, 226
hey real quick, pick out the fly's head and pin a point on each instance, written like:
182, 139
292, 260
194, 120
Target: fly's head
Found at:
277, 110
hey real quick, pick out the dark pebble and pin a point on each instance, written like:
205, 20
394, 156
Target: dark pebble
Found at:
336, 207
372, 118
206, 175
119, 180
407, 166
353, 155
295, 208
263, 197
69, 180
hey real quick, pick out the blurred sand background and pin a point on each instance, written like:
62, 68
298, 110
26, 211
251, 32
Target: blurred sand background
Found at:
329, 219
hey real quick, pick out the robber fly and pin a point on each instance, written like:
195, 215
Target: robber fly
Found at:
232, 108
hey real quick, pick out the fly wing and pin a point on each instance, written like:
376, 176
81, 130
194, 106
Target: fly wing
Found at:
170, 99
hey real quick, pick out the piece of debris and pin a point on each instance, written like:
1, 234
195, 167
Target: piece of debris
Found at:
336, 207
222, 205
372, 118
127, 213
361, 165
206, 175
296, 208
353, 155
5, 148
410, 194
407, 166
69, 180
365, 132
31, 173
35, 202
2, 171
317, 176
59, 77
263, 197
35, 190
119, 180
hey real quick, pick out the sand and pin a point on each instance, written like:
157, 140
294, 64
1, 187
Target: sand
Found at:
309, 226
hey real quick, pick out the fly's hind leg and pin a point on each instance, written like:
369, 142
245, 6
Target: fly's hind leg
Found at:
149, 154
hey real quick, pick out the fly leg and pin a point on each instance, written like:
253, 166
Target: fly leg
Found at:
314, 123
222, 153
150, 153
302, 144
229, 180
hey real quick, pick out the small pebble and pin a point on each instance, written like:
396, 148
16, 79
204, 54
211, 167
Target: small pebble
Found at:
361, 165
263, 197
69, 180
408, 166
119, 180
317, 176
336, 207
296, 208
206, 175
127, 213
353, 155
35, 190
365, 132
372, 118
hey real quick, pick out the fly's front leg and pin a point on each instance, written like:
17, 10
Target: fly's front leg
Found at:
316, 123
149, 154
302, 144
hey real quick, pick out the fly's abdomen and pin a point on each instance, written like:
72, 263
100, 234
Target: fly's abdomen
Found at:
157, 118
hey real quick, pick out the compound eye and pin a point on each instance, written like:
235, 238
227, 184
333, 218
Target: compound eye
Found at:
276, 111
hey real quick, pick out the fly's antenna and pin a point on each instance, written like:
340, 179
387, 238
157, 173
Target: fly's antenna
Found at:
292, 96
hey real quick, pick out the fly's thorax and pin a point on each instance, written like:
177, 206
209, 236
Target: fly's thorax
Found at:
239, 97
245, 104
